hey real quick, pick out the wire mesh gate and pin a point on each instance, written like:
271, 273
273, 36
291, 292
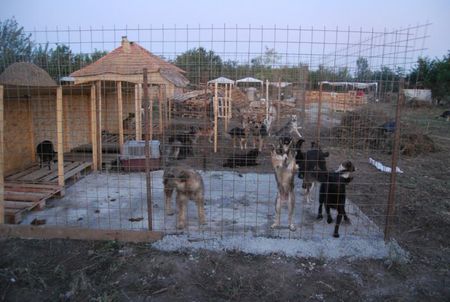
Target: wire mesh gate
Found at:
87, 143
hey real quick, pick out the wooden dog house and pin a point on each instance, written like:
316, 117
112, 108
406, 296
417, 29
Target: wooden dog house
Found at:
32, 109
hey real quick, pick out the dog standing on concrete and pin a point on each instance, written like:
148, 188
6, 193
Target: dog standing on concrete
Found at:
189, 186
285, 169
311, 164
332, 193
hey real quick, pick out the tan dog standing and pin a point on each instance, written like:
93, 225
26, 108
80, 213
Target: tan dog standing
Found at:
285, 169
189, 186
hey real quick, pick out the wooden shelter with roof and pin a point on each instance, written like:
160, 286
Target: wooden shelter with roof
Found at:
115, 82
31, 111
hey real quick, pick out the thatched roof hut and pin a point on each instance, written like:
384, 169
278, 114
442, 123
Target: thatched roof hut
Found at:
126, 63
26, 74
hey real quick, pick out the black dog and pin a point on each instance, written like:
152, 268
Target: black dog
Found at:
181, 145
311, 164
446, 115
242, 159
46, 153
332, 193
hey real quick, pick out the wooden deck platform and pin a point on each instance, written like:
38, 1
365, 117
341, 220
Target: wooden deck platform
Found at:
35, 174
29, 189
22, 197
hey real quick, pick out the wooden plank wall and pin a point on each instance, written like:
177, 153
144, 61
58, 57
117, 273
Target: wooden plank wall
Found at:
17, 137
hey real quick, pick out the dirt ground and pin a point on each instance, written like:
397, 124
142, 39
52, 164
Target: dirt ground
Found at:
68, 270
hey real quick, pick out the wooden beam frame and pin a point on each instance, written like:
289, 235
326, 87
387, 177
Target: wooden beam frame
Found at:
137, 111
94, 129
225, 108
148, 125
59, 133
2, 181
160, 108
215, 109
267, 99
49, 232
99, 124
120, 114
230, 101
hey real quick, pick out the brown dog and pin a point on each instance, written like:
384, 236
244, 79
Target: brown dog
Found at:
285, 169
189, 185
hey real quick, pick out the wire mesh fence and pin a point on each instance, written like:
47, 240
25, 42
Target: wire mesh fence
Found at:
214, 105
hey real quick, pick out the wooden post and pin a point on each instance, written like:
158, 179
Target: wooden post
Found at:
149, 127
94, 129
136, 110
160, 110
225, 108
169, 111
319, 114
215, 116
391, 198
120, 114
2, 166
267, 99
279, 100
230, 100
99, 124
59, 132
164, 100
148, 176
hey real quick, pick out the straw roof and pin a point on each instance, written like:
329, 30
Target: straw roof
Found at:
130, 59
26, 74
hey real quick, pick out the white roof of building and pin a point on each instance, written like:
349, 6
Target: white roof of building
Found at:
221, 80
249, 80
357, 85
281, 84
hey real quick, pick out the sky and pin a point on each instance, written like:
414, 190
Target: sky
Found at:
378, 15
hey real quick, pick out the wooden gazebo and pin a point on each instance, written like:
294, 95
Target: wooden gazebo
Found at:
125, 64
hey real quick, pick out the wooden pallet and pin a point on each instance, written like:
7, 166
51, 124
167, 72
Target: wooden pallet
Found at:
35, 174
22, 197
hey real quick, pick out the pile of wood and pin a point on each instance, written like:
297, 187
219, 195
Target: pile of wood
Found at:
193, 104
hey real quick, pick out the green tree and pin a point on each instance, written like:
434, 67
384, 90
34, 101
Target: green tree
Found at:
200, 65
60, 62
15, 44
420, 74
439, 79
363, 72
434, 75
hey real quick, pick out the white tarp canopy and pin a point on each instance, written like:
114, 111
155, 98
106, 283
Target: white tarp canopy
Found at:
221, 80
357, 85
280, 84
423, 95
249, 80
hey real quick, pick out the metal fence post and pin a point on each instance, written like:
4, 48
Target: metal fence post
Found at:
148, 177
391, 198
